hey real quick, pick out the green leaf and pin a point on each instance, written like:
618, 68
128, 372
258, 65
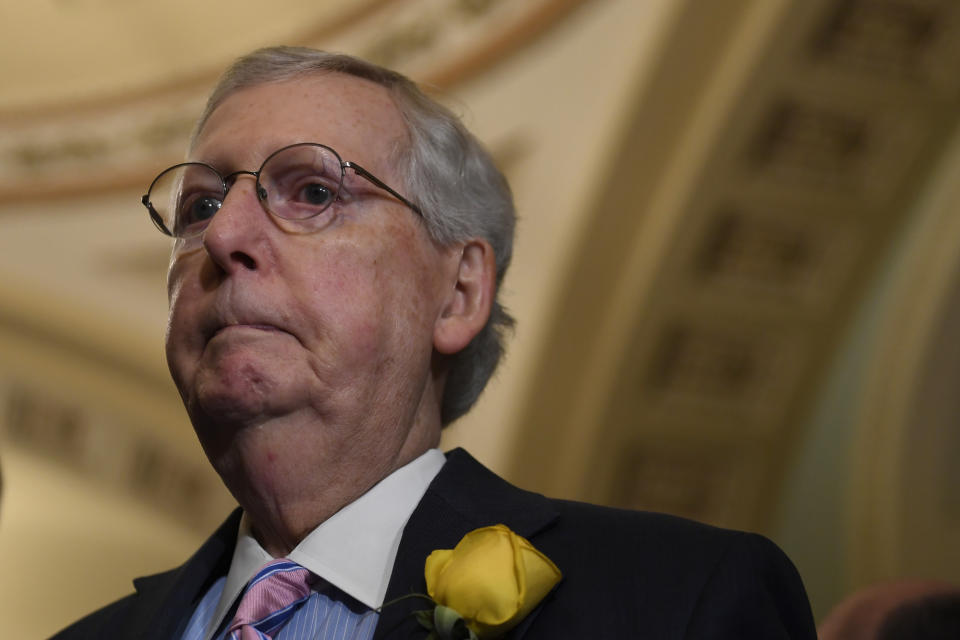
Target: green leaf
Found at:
450, 625
425, 618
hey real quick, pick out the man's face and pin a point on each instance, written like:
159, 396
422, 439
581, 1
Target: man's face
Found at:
293, 345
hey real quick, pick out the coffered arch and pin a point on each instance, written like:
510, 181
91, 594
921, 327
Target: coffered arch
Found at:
904, 507
758, 181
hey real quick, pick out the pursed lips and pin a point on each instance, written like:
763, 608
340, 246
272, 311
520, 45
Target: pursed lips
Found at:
221, 328
244, 325
224, 319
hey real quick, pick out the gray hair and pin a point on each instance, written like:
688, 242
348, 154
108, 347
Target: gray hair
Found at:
446, 172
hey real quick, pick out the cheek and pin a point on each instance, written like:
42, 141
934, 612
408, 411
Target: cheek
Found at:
176, 336
347, 306
181, 279
178, 346
371, 298
181, 338
175, 303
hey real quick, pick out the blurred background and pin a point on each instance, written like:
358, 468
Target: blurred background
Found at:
737, 271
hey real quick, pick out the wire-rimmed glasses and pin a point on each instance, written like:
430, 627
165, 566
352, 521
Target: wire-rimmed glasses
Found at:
296, 182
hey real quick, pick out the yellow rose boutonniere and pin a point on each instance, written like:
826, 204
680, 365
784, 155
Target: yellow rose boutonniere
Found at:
486, 585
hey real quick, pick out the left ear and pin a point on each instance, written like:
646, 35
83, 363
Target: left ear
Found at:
468, 304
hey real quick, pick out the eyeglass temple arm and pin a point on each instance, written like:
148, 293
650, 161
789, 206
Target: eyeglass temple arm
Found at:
380, 183
154, 216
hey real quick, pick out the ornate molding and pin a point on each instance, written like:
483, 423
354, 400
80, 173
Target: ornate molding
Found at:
714, 285
902, 499
53, 151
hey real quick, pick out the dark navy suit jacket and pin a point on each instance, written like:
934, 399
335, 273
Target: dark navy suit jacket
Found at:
626, 574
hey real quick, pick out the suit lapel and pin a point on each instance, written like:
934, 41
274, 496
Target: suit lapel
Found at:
464, 496
165, 601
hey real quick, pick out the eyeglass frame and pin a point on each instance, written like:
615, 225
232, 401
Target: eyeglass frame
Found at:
157, 219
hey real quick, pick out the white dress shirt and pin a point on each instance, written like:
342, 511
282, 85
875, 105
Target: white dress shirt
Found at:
353, 550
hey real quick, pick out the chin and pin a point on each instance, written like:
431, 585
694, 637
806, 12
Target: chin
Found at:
234, 393
219, 419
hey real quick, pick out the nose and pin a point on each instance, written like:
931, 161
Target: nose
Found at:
235, 238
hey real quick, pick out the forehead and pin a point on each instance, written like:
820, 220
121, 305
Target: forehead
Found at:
356, 117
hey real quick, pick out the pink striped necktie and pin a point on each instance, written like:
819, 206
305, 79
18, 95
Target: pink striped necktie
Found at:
271, 598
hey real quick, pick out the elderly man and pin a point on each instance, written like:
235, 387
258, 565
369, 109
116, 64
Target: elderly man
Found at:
339, 241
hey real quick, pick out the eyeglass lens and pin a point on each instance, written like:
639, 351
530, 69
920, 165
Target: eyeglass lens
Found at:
295, 183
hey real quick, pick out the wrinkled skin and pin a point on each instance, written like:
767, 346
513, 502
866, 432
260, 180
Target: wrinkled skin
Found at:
310, 359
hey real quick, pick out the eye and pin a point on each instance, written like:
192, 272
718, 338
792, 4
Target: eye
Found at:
298, 197
300, 182
196, 210
316, 194
203, 208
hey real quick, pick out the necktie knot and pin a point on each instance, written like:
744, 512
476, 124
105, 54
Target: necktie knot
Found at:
271, 597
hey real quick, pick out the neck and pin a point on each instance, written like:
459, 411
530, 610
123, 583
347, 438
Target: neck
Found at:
289, 481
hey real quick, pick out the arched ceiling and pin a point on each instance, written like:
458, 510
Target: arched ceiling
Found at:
73, 51
115, 88
763, 172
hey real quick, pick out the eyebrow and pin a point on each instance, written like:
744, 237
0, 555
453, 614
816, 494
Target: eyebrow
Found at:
226, 163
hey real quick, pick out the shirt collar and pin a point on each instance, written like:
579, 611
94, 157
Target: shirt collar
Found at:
354, 549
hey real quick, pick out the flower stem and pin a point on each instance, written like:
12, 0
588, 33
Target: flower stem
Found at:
406, 597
